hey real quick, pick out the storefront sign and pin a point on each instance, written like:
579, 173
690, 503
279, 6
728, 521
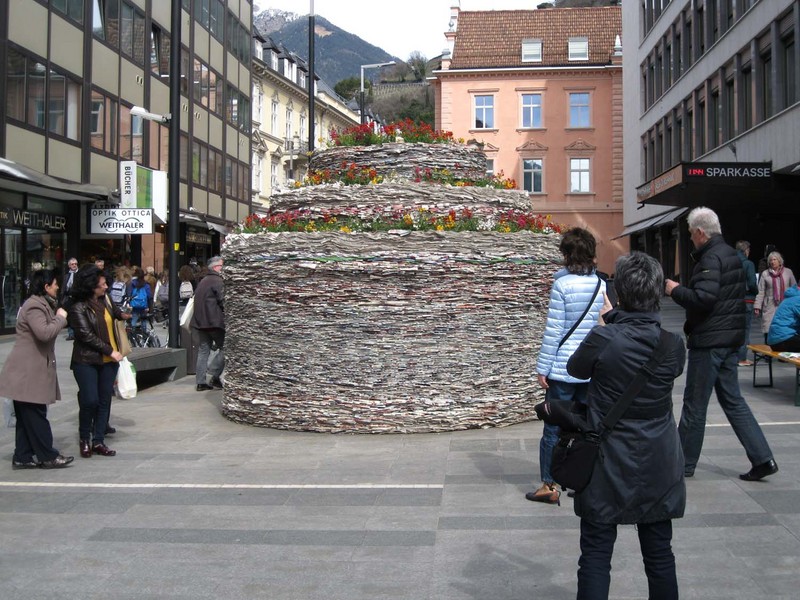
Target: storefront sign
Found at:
663, 182
192, 237
121, 220
728, 172
140, 187
16, 217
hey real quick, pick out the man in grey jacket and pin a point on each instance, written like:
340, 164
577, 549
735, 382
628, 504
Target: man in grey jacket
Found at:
715, 321
209, 321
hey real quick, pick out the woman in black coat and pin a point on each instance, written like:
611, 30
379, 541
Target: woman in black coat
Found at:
95, 357
638, 478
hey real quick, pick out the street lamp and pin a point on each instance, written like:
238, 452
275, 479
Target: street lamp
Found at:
372, 66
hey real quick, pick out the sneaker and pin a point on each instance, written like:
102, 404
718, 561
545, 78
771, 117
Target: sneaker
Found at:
745, 363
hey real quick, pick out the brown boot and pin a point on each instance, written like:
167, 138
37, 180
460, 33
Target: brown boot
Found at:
548, 494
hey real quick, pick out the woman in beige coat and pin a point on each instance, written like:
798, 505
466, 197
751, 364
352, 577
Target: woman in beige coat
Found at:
29, 374
772, 285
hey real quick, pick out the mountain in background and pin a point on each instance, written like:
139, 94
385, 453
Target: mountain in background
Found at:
338, 54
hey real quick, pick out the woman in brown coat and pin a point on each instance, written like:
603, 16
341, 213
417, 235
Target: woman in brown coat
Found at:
29, 374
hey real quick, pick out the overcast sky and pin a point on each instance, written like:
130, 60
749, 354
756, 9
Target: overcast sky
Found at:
397, 27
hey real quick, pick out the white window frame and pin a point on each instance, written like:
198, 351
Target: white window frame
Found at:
288, 129
536, 166
576, 105
578, 48
531, 108
580, 179
483, 109
490, 167
532, 50
273, 129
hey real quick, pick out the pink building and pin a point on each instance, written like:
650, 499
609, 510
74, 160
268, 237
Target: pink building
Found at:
542, 90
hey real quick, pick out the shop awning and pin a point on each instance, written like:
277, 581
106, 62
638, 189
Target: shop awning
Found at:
661, 219
20, 178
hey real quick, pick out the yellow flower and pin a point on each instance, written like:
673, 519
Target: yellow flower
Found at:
311, 226
345, 229
408, 219
440, 228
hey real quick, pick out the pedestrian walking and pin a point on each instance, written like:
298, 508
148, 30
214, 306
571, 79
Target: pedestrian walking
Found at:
714, 329
209, 321
751, 289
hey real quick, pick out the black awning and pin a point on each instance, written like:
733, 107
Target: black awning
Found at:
20, 178
661, 219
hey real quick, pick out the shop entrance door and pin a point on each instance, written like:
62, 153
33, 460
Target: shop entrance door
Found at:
12, 277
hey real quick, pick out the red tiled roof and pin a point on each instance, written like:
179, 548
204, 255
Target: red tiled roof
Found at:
493, 38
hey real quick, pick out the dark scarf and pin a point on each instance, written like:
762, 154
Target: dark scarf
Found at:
52, 302
778, 285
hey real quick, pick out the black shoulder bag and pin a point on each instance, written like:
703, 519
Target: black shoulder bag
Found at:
576, 451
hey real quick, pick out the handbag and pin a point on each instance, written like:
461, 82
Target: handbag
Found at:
576, 452
121, 333
126, 380
188, 312
583, 316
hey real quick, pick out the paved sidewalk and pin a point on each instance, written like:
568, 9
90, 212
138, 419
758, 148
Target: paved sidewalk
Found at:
194, 507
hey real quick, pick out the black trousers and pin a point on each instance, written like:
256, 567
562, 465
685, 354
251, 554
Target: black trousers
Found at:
790, 345
34, 435
597, 546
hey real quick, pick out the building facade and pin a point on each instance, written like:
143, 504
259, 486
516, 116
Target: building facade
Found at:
714, 92
71, 71
542, 91
281, 119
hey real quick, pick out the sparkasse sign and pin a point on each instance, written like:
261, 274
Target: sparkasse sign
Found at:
121, 220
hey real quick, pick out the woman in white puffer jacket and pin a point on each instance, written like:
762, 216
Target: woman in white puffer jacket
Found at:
575, 288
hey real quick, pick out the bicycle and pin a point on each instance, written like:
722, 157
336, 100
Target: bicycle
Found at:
141, 338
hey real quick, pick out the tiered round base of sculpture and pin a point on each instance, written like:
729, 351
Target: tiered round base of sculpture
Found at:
386, 332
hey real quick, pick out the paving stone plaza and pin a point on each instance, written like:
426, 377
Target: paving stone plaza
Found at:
194, 506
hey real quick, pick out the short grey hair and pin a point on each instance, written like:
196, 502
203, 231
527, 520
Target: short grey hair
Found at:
777, 255
214, 261
705, 219
743, 245
639, 282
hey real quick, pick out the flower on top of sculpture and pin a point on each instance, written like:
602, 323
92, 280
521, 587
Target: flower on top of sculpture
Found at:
400, 131
349, 220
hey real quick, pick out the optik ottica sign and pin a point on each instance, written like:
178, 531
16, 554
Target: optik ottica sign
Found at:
120, 220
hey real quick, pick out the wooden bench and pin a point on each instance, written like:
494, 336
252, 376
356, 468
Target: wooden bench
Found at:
763, 353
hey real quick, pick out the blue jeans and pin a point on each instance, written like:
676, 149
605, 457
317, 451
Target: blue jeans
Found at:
138, 317
95, 388
207, 339
597, 547
748, 312
717, 369
558, 390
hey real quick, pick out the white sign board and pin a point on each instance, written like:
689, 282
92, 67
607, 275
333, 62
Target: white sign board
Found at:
127, 184
121, 220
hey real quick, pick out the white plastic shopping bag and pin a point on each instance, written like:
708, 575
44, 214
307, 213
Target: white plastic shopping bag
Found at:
126, 379
186, 317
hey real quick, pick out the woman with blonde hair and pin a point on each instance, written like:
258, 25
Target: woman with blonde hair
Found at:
772, 285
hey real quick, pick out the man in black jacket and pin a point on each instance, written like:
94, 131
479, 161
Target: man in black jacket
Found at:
715, 321
209, 320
